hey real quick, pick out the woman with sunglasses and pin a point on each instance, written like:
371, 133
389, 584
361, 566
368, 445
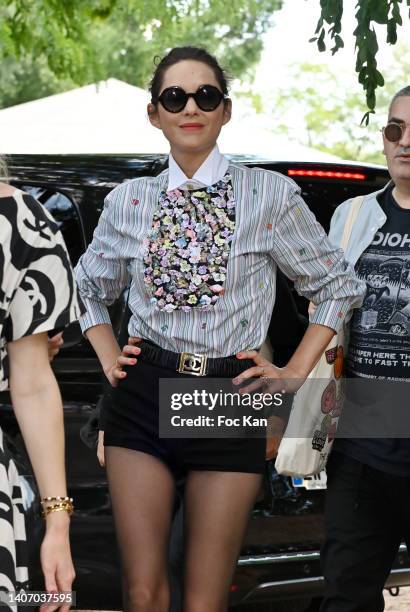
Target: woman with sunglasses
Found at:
199, 244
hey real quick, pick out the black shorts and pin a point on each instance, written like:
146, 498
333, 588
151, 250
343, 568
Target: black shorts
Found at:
131, 421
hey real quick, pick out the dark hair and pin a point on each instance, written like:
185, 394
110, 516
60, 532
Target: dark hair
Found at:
179, 54
400, 94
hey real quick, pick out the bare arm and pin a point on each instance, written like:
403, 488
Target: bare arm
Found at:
310, 349
302, 362
106, 346
38, 407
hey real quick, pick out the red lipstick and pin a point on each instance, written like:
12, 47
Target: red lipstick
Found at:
191, 126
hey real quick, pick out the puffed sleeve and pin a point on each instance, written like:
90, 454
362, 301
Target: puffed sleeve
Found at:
45, 294
102, 271
320, 273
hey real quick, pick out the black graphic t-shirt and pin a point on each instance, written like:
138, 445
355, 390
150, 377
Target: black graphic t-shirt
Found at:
37, 287
379, 344
380, 330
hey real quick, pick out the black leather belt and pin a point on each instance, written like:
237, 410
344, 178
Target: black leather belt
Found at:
193, 363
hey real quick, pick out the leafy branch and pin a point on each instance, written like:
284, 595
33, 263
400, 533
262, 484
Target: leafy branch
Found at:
368, 12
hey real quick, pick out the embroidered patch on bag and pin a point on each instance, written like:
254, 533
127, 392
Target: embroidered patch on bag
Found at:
331, 355
339, 362
326, 424
319, 440
337, 411
328, 401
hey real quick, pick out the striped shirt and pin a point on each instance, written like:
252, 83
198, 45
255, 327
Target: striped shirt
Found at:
273, 227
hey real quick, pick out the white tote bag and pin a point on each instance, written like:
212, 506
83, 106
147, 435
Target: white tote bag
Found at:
308, 438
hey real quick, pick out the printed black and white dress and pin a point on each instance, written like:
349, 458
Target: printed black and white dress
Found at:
37, 294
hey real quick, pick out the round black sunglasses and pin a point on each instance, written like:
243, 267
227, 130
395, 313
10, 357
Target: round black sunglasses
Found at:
393, 131
207, 98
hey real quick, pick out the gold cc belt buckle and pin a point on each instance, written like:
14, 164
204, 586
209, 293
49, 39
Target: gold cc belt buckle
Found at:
191, 363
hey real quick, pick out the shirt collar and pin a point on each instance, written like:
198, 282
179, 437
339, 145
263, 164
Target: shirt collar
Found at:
212, 170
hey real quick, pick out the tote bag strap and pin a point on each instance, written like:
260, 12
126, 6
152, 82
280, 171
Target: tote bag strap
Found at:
347, 230
351, 218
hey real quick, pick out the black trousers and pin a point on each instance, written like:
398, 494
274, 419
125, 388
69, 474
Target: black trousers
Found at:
367, 516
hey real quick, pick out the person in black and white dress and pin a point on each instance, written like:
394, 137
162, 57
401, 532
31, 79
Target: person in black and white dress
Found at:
37, 295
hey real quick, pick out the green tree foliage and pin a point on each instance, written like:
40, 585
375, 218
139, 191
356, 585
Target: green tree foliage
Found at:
47, 46
368, 13
322, 108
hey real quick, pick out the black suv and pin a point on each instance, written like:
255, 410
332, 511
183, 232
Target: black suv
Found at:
279, 559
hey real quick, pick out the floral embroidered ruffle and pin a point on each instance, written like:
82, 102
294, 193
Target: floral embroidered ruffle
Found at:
187, 249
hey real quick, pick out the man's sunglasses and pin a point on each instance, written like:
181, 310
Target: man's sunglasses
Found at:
393, 132
207, 98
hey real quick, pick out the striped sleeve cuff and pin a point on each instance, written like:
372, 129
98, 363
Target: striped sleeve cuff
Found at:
332, 313
96, 314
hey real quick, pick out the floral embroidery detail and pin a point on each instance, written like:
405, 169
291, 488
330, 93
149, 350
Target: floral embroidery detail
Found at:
269, 226
244, 322
164, 328
254, 191
203, 325
186, 251
135, 202
302, 251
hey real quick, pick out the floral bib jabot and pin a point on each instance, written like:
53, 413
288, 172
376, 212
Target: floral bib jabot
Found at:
187, 249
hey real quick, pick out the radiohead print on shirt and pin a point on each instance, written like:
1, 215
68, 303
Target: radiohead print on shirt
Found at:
380, 329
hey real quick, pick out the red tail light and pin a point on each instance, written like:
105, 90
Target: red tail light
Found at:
328, 174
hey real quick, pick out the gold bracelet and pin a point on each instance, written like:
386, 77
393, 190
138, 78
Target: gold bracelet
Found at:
66, 506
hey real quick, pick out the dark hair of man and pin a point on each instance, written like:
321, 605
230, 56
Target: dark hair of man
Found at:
404, 92
179, 54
